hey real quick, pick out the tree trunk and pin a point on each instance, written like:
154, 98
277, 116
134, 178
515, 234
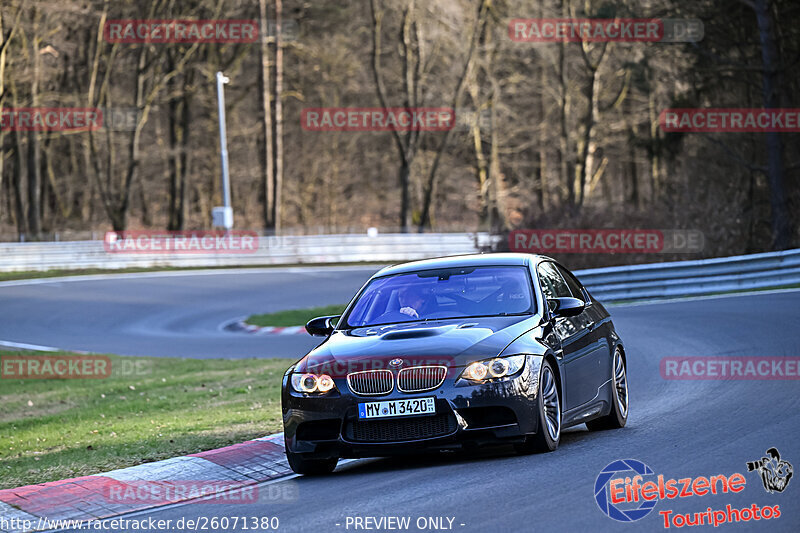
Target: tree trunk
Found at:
185, 148
586, 155
278, 209
174, 163
119, 215
6, 36
540, 154
654, 153
34, 146
590, 142
584, 170
267, 156
3, 47
19, 205
481, 164
633, 174
631, 189
405, 197
563, 113
497, 212
179, 117
771, 90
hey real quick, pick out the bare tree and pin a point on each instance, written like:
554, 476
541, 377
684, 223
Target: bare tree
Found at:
477, 29
407, 144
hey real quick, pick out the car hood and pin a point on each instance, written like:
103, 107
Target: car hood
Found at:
452, 343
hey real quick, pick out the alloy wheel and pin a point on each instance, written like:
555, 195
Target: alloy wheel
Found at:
552, 408
621, 384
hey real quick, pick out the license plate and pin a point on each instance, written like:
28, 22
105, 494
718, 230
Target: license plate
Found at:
417, 406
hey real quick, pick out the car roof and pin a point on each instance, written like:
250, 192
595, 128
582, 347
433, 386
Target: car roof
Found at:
470, 260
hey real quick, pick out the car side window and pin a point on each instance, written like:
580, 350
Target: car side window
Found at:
553, 284
573, 283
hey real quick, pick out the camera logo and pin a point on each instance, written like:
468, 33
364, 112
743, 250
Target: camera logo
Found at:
632, 471
775, 473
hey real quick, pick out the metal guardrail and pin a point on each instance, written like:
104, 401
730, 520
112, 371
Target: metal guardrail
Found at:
283, 250
657, 280
694, 278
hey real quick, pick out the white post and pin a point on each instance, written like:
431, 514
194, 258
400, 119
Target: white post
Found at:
223, 216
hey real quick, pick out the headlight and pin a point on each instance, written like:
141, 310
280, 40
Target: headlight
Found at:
310, 383
499, 367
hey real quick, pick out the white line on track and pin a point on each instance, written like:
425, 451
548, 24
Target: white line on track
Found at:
25, 346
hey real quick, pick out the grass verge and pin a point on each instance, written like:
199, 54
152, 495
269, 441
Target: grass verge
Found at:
294, 317
148, 409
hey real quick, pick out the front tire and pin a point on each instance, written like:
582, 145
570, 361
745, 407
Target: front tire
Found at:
311, 467
548, 409
618, 416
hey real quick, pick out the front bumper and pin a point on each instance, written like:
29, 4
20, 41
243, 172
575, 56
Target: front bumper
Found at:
467, 415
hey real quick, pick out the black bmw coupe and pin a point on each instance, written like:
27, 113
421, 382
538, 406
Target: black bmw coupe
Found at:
455, 353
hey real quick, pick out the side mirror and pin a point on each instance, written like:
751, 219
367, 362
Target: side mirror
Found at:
322, 326
566, 307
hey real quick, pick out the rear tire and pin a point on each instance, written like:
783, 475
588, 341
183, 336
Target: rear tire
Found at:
548, 409
618, 416
311, 467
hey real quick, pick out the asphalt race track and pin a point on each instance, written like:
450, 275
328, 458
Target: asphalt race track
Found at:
178, 314
680, 429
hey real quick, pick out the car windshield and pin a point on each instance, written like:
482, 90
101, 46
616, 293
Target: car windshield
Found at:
443, 293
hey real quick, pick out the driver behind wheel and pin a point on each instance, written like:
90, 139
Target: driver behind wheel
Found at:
413, 300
